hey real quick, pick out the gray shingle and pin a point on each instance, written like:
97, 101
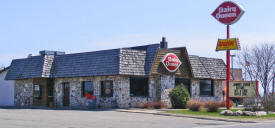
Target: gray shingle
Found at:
87, 64
203, 67
25, 68
51, 64
151, 51
132, 62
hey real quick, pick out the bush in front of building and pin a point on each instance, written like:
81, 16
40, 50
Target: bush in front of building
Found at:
194, 105
158, 105
179, 97
146, 104
268, 102
212, 106
151, 105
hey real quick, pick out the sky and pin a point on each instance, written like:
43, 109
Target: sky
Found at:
29, 26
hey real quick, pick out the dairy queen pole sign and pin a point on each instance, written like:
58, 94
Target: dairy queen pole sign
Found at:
228, 13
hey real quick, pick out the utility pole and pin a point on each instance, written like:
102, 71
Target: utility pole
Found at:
232, 71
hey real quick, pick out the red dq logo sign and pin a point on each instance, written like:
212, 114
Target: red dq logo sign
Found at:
228, 12
171, 62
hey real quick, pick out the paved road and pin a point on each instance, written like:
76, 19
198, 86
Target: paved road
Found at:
36, 118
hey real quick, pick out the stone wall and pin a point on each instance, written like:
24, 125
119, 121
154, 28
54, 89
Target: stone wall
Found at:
121, 92
195, 91
23, 93
167, 83
159, 89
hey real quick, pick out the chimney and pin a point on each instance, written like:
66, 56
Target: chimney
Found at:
45, 52
163, 43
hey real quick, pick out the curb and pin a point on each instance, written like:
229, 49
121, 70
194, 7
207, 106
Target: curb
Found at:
191, 116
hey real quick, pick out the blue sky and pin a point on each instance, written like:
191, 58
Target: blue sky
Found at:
88, 25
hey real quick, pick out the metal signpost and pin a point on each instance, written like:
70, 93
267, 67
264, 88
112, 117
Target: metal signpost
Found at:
228, 13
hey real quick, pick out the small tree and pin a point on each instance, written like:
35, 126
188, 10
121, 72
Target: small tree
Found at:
179, 96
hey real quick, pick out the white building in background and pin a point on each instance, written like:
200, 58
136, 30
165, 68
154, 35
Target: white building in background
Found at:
6, 89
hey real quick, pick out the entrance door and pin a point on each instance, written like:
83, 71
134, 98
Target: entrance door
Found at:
66, 94
50, 84
186, 83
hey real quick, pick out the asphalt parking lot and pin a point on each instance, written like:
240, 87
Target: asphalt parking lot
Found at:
43, 118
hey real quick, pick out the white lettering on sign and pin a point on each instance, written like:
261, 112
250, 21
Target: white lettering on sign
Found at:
171, 62
226, 12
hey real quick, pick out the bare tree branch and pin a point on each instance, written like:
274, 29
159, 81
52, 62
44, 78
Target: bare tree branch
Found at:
259, 63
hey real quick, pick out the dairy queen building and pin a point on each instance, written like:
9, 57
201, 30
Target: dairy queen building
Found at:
117, 78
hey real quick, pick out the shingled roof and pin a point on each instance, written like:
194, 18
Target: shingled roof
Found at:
207, 68
124, 61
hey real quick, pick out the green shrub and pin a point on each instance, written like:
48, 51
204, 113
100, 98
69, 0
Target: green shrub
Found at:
212, 106
194, 105
179, 96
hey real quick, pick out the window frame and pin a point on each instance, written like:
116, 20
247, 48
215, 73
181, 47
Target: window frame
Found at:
212, 88
145, 89
40, 92
83, 88
103, 87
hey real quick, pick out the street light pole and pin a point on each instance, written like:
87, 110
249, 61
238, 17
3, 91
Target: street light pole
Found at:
232, 72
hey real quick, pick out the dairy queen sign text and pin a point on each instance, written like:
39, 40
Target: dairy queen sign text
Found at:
228, 12
171, 62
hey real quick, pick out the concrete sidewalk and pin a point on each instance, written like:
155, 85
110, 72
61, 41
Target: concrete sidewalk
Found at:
164, 113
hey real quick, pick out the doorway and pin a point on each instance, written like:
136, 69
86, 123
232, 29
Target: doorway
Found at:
184, 81
66, 94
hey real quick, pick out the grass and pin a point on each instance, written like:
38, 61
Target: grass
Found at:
203, 112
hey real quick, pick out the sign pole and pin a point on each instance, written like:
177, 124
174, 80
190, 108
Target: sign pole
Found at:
227, 71
227, 13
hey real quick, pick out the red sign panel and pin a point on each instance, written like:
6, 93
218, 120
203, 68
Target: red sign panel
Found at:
171, 62
228, 12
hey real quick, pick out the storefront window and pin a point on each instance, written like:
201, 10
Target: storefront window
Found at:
185, 82
206, 88
37, 92
87, 87
139, 86
107, 88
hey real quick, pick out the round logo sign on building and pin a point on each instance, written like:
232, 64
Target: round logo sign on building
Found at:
171, 62
228, 12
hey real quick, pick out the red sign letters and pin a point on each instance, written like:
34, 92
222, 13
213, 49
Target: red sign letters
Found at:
228, 12
171, 62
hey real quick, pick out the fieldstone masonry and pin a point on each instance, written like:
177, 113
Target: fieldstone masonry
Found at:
159, 89
23, 93
167, 83
195, 93
121, 93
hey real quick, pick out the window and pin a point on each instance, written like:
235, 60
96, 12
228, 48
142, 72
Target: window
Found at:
139, 86
206, 88
107, 88
185, 82
87, 87
37, 92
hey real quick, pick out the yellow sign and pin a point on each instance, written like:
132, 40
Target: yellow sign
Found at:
242, 89
228, 44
